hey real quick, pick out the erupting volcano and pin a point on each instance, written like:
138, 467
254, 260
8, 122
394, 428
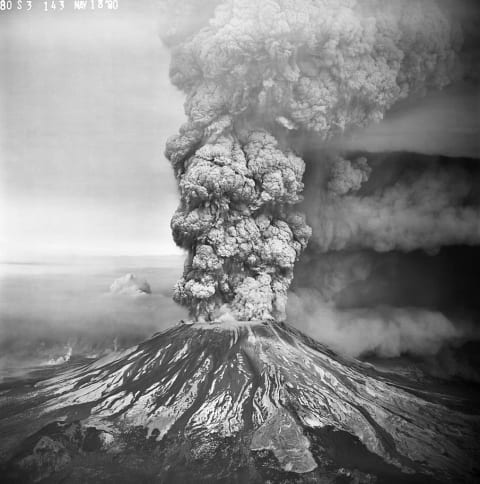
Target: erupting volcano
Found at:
236, 394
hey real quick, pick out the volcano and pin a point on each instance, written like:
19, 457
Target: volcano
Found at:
234, 402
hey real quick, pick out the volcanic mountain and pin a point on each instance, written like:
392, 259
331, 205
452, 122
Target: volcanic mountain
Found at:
234, 402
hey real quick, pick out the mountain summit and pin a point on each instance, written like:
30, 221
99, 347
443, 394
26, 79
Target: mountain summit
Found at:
234, 402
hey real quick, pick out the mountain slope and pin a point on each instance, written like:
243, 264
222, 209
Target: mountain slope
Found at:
236, 402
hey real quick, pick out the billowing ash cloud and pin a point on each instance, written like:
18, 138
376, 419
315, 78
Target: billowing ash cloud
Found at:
343, 299
424, 209
252, 72
385, 331
236, 219
388, 303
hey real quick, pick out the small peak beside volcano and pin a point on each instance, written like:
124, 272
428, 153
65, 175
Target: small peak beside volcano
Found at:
130, 285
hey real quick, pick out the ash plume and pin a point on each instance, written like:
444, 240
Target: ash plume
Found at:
422, 209
389, 303
255, 73
384, 331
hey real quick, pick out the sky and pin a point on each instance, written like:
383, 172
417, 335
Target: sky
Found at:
86, 107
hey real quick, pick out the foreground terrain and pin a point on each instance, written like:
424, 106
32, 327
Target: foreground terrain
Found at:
236, 402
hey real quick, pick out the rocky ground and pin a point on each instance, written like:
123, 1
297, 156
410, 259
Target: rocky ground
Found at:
233, 402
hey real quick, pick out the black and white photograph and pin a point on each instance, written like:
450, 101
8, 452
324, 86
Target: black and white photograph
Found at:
239, 241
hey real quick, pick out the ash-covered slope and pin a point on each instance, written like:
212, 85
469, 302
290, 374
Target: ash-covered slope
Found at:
252, 402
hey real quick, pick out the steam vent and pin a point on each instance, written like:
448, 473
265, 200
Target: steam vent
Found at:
240, 402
